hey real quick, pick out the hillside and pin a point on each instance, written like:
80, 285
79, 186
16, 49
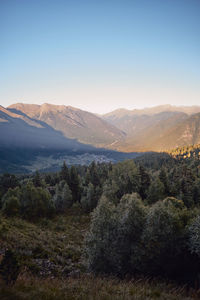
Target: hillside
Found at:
176, 131
120, 113
148, 130
21, 131
73, 123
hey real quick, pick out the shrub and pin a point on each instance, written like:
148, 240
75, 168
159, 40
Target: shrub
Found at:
11, 206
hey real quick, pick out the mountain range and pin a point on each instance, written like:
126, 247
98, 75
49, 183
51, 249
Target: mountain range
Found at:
34, 137
57, 126
157, 129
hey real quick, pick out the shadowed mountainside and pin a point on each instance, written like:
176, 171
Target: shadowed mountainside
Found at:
73, 123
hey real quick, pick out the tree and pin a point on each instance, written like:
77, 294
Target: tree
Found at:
162, 239
132, 215
114, 234
100, 250
89, 199
64, 173
74, 184
194, 236
7, 181
163, 178
37, 179
123, 179
35, 202
15, 192
63, 197
156, 191
11, 206
94, 177
144, 182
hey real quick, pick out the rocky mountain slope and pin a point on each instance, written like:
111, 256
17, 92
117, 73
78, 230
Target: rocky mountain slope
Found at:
157, 129
20, 131
73, 123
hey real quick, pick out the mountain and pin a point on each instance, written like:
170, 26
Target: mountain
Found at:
56, 128
21, 131
121, 113
28, 144
73, 123
156, 129
175, 131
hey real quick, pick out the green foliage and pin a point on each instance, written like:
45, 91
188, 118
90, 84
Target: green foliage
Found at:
64, 173
89, 198
114, 232
37, 180
7, 181
63, 197
161, 238
129, 238
11, 206
100, 240
194, 236
28, 201
35, 202
74, 184
124, 178
144, 182
156, 191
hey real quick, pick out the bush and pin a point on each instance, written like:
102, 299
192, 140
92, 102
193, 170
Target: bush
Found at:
36, 202
11, 206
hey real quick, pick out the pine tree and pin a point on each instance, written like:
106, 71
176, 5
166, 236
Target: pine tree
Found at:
144, 182
64, 173
37, 179
74, 184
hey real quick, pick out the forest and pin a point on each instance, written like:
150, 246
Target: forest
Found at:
140, 219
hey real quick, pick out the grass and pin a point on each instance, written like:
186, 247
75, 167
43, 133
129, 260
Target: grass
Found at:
91, 288
49, 247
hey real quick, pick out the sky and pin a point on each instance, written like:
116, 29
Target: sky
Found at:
100, 55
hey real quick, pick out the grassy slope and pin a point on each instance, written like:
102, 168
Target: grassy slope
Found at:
52, 251
49, 247
91, 288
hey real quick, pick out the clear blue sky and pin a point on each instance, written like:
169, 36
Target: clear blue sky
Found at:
100, 55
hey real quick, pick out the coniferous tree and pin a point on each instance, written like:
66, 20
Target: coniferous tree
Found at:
63, 197
144, 182
163, 178
74, 184
37, 179
156, 191
64, 173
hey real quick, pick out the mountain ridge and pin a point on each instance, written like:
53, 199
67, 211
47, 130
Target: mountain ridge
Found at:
73, 123
151, 129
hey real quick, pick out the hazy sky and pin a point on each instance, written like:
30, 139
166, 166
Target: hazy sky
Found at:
100, 55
